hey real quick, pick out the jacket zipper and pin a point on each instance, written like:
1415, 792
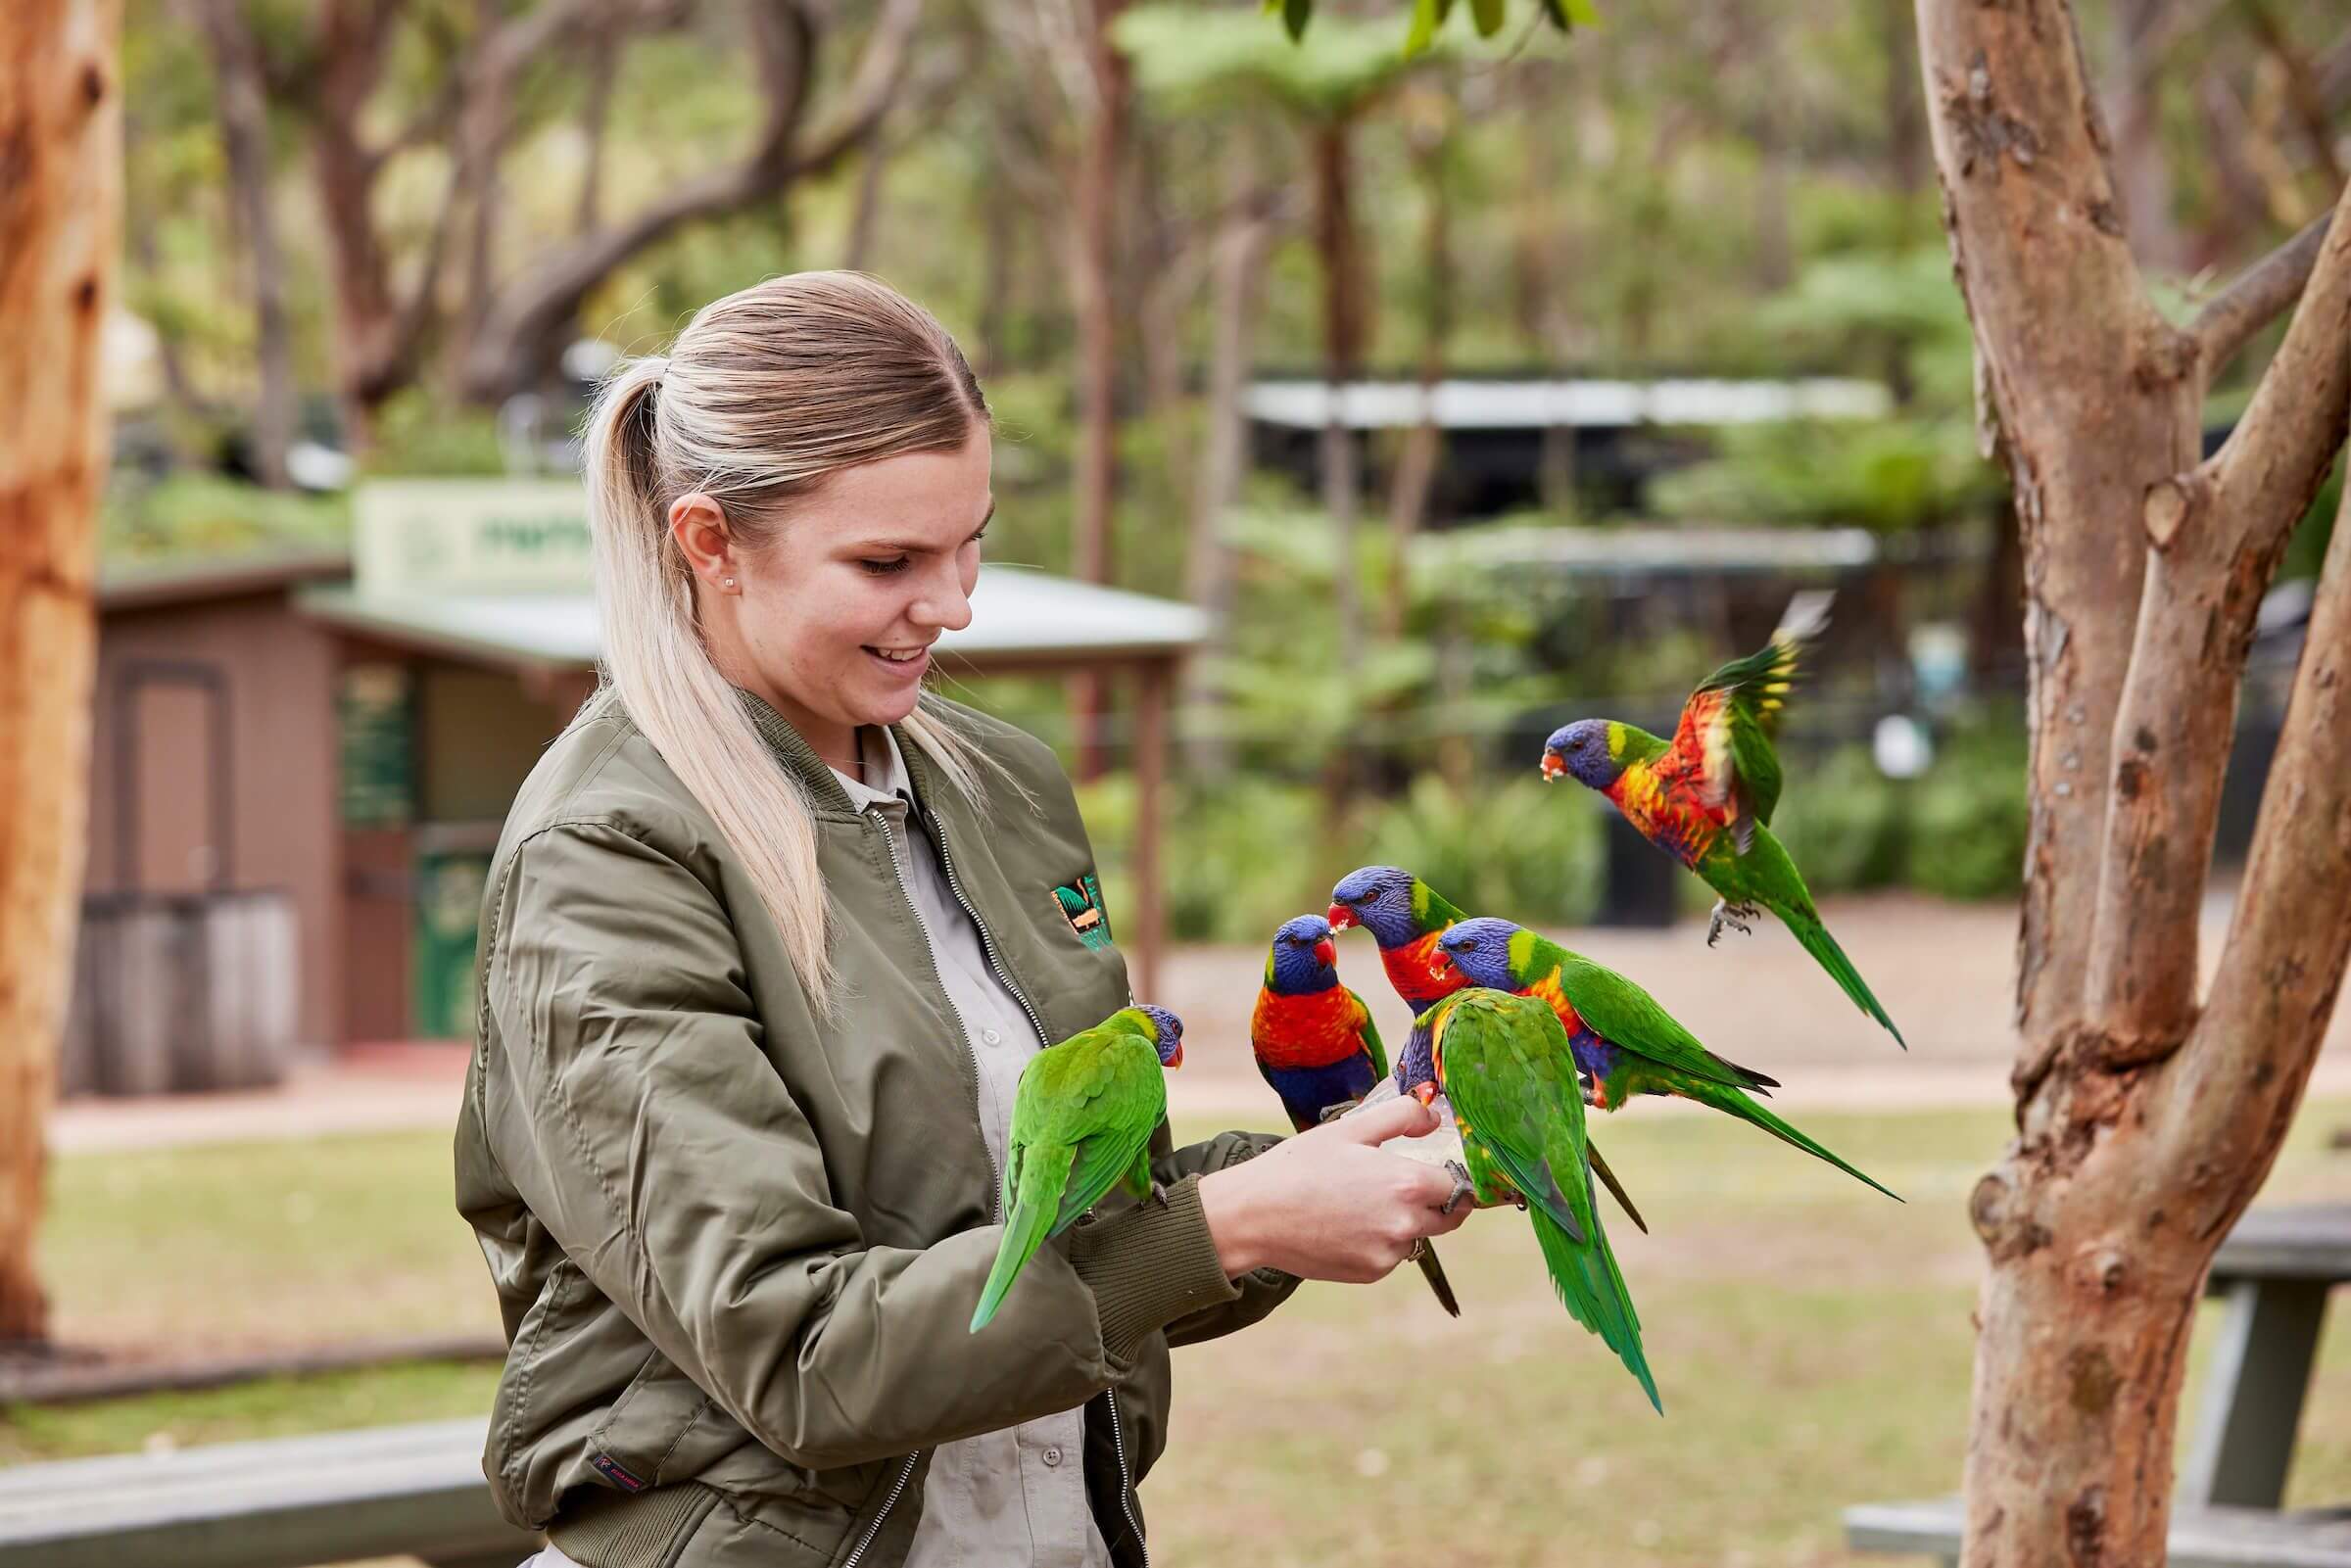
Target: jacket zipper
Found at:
1118, 1446
996, 962
874, 1529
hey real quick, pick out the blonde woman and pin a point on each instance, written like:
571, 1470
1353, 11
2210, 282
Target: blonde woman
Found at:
766, 943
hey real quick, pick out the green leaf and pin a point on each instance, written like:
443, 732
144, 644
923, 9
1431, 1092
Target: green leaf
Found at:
1426, 18
1489, 15
1583, 13
1295, 14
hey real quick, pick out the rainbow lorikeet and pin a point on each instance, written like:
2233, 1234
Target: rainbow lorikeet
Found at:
1318, 1047
1625, 1044
1082, 1124
1404, 916
1505, 1066
1705, 798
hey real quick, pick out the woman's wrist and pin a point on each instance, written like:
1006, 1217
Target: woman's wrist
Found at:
1225, 1205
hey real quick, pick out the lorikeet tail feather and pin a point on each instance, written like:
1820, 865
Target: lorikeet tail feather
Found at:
1434, 1272
1594, 1293
1044, 1173
1805, 925
1722, 1097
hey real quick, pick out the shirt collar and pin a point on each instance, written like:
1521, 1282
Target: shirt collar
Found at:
886, 783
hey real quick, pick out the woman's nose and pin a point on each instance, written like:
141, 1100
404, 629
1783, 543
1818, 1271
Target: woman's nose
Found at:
944, 603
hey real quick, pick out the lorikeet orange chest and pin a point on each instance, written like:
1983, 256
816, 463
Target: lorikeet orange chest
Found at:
1409, 965
1666, 801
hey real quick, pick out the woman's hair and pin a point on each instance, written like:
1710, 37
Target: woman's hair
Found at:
766, 393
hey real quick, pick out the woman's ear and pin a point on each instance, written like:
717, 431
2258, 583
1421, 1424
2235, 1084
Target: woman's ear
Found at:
701, 529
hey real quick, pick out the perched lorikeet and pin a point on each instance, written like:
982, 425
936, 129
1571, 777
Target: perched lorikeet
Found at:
1316, 1045
1505, 1066
1082, 1123
1705, 798
1404, 916
1415, 1064
1624, 1043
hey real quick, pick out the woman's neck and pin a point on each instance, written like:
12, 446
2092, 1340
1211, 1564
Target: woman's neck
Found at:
834, 743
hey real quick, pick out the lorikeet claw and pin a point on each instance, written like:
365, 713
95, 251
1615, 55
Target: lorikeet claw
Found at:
1463, 1186
1332, 1112
1736, 919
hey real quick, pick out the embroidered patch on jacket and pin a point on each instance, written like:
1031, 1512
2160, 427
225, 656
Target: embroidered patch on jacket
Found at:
1082, 906
613, 1471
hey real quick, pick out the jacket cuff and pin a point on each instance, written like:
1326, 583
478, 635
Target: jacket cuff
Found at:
1149, 1265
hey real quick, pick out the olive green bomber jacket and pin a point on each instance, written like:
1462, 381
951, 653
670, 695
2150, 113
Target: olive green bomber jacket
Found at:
736, 1245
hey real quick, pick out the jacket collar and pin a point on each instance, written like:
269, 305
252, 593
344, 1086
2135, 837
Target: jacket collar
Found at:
815, 775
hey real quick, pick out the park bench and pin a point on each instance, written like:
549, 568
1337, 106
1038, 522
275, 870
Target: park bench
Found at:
2274, 1271
286, 1503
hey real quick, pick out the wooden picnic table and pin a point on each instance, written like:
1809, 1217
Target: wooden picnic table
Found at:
2275, 1271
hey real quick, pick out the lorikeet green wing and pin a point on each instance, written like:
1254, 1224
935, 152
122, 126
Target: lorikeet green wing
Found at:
1370, 1033
1504, 1062
1724, 741
1082, 1123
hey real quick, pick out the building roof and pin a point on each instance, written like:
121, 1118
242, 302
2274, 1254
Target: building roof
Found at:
187, 579
1019, 618
1305, 404
1647, 549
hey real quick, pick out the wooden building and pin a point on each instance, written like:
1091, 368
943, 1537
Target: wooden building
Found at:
343, 730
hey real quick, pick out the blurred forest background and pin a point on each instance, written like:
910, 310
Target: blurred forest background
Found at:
384, 237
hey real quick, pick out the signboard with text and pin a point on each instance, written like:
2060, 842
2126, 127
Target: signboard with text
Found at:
470, 535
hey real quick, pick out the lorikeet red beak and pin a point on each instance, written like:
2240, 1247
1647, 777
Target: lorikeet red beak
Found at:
1426, 1093
1340, 916
1554, 765
1440, 967
1326, 952
1176, 1060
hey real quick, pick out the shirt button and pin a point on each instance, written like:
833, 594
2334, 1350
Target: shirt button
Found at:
1052, 1456
991, 1036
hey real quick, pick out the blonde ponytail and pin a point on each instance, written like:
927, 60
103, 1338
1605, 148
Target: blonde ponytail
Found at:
763, 395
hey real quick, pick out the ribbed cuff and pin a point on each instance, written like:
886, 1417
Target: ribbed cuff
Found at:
1149, 1265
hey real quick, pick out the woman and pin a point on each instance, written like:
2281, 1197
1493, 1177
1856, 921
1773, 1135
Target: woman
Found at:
767, 940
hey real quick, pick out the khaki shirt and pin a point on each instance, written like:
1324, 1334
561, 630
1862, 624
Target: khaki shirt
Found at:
1016, 1496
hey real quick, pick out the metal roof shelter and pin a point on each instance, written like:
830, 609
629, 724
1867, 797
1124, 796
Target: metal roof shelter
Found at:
496, 573
1463, 405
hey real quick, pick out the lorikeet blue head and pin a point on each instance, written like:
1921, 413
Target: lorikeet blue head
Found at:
1481, 950
1418, 1066
1379, 899
1582, 749
1303, 958
1168, 1034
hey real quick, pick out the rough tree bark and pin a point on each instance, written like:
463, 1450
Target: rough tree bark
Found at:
60, 218
2146, 1120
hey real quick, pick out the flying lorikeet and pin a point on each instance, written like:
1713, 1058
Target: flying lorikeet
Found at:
1404, 916
1705, 798
1505, 1066
1316, 1045
1082, 1123
1625, 1044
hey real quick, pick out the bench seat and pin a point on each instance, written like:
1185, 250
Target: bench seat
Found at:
2201, 1538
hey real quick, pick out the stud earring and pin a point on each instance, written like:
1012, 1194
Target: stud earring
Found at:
726, 582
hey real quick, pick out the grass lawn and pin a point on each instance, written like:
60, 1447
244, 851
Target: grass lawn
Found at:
1810, 1337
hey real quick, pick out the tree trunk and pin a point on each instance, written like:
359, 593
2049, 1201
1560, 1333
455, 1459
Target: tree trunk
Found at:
59, 224
865, 217
1093, 250
1344, 329
2140, 1135
1416, 468
1238, 293
241, 106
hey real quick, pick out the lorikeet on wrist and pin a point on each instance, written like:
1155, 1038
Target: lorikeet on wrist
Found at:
1082, 1124
1707, 797
1504, 1064
1624, 1043
1316, 1045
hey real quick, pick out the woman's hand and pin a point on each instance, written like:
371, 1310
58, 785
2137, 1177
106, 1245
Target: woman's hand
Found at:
1328, 1204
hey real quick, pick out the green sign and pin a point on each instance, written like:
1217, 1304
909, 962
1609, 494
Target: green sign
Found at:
471, 536
448, 907
375, 711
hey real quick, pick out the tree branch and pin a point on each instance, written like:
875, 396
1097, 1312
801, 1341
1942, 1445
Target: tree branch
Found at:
2258, 294
2244, 1071
2218, 531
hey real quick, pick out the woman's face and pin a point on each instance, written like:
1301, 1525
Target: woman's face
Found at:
832, 622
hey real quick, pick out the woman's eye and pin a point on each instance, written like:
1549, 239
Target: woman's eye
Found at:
885, 568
